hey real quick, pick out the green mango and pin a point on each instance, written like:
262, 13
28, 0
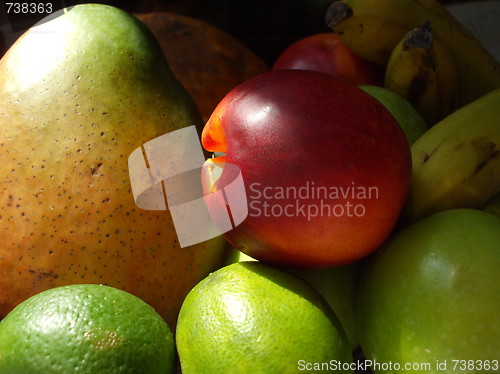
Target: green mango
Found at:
410, 120
79, 93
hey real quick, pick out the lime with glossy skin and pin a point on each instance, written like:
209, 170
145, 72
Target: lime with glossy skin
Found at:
336, 284
84, 329
250, 317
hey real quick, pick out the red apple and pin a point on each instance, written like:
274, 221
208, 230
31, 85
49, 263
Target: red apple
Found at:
327, 53
326, 167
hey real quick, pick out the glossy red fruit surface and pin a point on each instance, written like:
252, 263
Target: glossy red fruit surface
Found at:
326, 167
327, 53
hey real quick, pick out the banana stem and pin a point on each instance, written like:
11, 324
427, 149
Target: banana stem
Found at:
420, 37
336, 13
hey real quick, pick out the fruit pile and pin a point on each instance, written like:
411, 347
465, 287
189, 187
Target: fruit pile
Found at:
369, 238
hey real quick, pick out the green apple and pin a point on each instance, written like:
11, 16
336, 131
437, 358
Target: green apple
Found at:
431, 295
407, 116
233, 255
338, 286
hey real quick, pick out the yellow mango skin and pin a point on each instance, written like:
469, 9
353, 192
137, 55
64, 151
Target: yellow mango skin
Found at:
77, 95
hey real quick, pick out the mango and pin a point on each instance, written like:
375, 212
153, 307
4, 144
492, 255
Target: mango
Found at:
207, 61
77, 95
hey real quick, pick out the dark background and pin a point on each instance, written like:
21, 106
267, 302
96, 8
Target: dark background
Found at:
266, 27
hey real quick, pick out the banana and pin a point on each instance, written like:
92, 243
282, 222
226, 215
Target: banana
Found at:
456, 163
373, 28
436, 7
423, 71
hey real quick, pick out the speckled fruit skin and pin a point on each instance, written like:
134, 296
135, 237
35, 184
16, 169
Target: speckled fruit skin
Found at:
74, 104
288, 128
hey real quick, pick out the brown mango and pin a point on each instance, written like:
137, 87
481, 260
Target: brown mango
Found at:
207, 61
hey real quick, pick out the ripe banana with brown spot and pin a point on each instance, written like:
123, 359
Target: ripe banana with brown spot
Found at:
456, 163
373, 28
423, 71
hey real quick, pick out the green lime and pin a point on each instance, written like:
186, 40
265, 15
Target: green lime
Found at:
85, 328
336, 284
249, 317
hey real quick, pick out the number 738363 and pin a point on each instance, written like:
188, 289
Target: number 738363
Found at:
486, 365
33, 8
